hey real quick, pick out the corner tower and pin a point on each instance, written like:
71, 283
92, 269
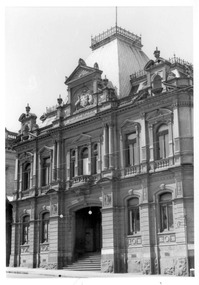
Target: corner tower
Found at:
118, 53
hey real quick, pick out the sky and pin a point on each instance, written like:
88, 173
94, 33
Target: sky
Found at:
44, 44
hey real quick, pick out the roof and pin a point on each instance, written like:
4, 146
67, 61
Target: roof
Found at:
118, 59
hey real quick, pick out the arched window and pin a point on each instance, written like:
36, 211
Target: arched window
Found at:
134, 216
131, 149
26, 176
72, 163
45, 227
166, 212
46, 171
84, 161
95, 159
162, 140
25, 229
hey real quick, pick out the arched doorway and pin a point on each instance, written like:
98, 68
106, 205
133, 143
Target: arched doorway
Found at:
88, 230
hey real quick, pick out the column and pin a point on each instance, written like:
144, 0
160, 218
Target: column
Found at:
39, 170
121, 151
54, 162
137, 154
68, 165
58, 160
16, 174
76, 161
170, 139
111, 155
51, 168
34, 168
151, 147
89, 159
171, 154
31, 172
105, 147
99, 158
20, 178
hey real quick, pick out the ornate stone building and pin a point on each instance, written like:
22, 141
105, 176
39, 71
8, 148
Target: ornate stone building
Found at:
10, 156
110, 171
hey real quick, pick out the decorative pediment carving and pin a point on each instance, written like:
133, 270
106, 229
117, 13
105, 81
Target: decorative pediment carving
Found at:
161, 114
26, 156
82, 138
80, 72
45, 151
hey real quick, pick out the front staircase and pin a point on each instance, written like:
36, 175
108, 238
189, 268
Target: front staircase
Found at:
87, 262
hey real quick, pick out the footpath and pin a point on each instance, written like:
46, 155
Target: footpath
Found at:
69, 274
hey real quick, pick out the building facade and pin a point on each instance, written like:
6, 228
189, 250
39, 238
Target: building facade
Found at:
10, 157
111, 170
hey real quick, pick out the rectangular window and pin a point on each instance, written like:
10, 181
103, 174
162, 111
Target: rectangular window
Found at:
134, 220
163, 145
166, 213
46, 172
131, 150
85, 166
25, 230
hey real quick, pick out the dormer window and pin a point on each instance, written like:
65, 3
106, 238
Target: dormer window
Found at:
157, 84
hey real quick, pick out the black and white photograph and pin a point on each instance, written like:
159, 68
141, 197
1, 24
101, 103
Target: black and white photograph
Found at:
99, 136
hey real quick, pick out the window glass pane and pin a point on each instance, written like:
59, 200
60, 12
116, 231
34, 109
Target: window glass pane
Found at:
170, 216
85, 166
166, 145
161, 147
137, 221
164, 217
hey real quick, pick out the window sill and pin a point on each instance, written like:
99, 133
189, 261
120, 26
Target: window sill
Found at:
166, 232
134, 235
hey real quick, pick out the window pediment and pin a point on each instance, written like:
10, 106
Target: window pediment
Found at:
27, 156
162, 114
45, 151
129, 126
81, 139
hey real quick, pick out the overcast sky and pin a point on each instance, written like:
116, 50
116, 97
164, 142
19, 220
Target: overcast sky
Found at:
43, 46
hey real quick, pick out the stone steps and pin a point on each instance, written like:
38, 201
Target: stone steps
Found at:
87, 262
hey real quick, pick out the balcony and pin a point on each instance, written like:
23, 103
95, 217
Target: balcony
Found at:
161, 163
132, 170
81, 180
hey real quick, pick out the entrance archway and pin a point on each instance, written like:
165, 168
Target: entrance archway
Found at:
88, 230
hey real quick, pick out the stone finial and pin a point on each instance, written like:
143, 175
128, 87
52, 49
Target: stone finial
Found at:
59, 100
96, 66
82, 62
156, 53
105, 81
27, 109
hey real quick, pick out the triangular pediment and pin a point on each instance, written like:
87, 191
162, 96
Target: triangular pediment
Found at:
81, 138
79, 72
